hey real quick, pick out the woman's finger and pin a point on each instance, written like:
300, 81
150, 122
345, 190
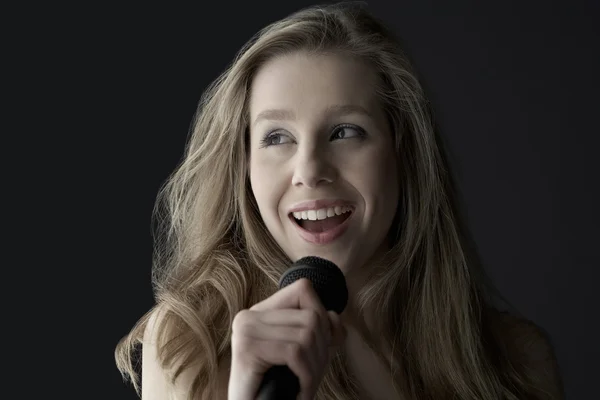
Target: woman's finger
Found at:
251, 356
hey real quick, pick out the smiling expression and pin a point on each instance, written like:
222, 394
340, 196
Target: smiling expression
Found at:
321, 148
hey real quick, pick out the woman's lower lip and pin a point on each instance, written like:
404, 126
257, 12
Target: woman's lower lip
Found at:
322, 237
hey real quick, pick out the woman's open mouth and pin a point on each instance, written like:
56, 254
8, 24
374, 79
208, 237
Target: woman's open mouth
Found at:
322, 226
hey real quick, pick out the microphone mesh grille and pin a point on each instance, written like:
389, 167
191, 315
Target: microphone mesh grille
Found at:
327, 279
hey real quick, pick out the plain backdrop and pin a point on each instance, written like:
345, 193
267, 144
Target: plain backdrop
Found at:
514, 87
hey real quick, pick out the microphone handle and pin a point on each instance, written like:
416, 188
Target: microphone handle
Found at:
279, 383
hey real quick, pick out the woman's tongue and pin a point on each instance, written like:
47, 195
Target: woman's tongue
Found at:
323, 225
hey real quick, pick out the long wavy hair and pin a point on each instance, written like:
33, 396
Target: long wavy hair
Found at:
213, 255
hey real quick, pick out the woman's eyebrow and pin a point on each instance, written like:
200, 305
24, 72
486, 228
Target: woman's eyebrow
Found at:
337, 110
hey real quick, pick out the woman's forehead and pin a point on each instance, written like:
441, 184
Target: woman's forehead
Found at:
290, 86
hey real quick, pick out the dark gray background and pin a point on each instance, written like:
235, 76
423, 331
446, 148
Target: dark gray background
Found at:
514, 85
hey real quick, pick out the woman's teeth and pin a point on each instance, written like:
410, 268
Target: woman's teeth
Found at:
314, 215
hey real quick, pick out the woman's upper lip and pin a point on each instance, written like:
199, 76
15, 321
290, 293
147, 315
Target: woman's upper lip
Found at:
318, 204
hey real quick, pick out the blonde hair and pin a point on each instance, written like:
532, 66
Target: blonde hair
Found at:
214, 256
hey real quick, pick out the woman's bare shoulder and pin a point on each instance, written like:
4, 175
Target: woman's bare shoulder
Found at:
531, 347
156, 381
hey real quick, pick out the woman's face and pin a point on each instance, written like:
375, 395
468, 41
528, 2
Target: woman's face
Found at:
322, 161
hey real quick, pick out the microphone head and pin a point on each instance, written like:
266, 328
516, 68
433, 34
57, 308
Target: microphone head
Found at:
327, 279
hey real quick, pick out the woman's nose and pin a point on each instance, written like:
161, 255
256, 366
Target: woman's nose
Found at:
313, 168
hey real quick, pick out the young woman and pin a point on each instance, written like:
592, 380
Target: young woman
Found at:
319, 140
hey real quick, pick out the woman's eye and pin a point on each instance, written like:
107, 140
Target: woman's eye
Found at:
347, 132
339, 132
274, 139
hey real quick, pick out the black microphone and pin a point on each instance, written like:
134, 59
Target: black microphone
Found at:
328, 281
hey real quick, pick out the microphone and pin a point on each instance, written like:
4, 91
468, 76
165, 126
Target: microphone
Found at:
328, 281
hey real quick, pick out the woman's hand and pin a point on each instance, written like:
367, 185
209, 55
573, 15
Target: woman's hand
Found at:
291, 327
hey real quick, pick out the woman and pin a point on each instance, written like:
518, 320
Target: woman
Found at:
318, 140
